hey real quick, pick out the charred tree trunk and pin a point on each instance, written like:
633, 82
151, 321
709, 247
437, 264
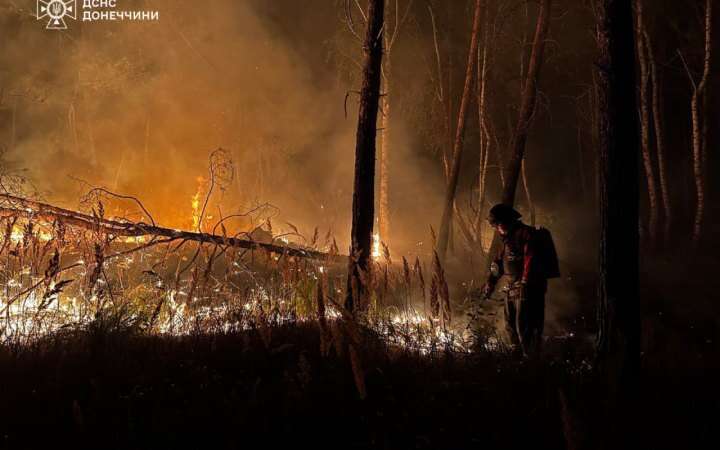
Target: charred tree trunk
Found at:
363, 211
447, 216
645, 125
618, 343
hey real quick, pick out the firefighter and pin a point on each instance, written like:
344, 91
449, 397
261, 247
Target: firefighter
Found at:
519, 260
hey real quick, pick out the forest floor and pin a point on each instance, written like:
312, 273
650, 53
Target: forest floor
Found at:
97, 389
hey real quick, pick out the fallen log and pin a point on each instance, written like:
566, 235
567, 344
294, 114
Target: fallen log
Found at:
32, 209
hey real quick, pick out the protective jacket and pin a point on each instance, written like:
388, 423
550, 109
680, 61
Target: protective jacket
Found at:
519, 259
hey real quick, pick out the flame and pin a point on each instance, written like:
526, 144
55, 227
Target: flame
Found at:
376, 253
196, 204
18, 234
135, 240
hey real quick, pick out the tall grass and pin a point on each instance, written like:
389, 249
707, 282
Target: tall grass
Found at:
58, 278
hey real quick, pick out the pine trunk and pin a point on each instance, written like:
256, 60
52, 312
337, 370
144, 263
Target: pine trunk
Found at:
618, 344
363, 209
482, 64
699, 132
447, 216
527, 105
659, 138
645, 125
384, 206
527, 111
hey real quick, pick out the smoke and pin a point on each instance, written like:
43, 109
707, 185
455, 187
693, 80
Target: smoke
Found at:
138, 107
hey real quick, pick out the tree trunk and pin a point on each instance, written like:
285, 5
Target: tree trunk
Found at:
527, 111
645, 124
659, 137
482, 64
527, 105
698, 136
581, 163
528, 196
618, 344
383, 213
389, 38
523, 171
447, 216
363, 209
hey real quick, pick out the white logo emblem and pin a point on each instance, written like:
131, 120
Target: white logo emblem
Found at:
56, 11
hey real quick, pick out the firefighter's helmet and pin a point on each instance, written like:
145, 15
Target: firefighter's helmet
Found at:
503, 213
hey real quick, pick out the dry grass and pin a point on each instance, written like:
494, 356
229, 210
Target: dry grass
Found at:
58, 277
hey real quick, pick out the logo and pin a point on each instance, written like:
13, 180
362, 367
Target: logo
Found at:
56, 11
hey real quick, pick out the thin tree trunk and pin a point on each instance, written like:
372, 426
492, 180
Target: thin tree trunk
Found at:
594, 136
527, 111
363, 209
481, 203
659, 137
499, 157
484, 135
13, 126
527, 105
700, 137
447, 216
72, 123
645, 124
523, 171
146, 152
528, 197
90, 128
618, 343
389, 38
119, 170
383, 213
581, 163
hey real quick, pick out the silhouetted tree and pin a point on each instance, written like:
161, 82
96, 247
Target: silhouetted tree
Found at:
527, 112
698, 109
447, 216
527, 105
618, 343
363, 209
644, 109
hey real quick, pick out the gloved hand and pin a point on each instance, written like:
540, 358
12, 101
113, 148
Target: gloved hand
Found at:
487, 290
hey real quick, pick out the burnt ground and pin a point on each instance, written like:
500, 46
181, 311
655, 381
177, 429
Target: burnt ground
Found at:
118, 389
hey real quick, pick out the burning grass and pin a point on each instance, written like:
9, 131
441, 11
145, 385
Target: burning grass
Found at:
58, 277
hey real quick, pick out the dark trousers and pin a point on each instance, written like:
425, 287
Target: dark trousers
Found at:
525, 317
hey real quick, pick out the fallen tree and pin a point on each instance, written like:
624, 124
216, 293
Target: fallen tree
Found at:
31, 209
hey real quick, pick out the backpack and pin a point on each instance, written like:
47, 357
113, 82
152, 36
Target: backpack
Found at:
546, 253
